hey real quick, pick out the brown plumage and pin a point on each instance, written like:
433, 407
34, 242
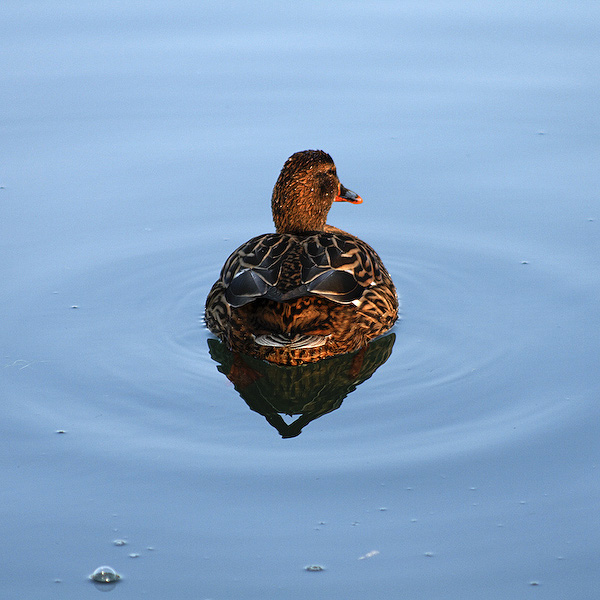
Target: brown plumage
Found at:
310, 290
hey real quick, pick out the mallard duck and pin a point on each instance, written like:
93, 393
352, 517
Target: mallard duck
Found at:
310, 290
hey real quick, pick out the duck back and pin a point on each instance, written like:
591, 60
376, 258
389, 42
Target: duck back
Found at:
295, 298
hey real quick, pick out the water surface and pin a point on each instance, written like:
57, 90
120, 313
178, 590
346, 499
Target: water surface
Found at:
140, 145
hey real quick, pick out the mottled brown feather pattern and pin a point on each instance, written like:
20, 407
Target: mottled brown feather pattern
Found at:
360, 304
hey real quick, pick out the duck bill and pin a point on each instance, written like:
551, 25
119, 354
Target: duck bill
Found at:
347, 195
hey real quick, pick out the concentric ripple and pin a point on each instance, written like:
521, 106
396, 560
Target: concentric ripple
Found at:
476, 359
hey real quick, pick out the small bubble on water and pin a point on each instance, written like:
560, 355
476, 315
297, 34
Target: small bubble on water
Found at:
105, 574
524, 262
428, 554
369, 554
534, 583
119, 542
60, 431
74, 306
314, 568
134, 555
382, 509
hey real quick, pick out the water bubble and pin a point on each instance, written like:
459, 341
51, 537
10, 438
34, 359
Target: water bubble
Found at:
119, 542
105, 574
314, 568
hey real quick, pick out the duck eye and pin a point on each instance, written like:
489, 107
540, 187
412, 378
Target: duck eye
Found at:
326, 184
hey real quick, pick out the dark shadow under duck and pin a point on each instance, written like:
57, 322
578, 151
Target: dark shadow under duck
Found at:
309, 291
305, 392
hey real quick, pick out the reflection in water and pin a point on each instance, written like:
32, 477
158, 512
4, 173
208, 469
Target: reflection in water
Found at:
310, 390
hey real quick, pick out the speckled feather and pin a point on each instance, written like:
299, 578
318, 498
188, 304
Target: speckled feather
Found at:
310, 290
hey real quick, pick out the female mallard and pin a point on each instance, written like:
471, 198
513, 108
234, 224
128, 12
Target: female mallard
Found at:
310, 290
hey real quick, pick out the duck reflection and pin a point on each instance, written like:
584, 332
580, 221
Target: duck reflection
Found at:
310, 390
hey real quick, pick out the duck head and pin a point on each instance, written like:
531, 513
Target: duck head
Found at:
304, 192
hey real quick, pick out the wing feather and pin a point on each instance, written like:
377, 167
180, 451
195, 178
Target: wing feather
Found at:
281, 267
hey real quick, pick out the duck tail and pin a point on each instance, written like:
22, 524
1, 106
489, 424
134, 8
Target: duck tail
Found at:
291, 341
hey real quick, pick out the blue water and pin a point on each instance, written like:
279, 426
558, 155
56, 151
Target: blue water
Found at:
140, 144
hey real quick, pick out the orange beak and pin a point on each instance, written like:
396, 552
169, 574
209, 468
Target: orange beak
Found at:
346, 195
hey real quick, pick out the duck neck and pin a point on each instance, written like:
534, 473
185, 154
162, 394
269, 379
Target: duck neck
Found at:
296, 214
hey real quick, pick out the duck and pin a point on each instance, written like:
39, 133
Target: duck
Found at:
309, 291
